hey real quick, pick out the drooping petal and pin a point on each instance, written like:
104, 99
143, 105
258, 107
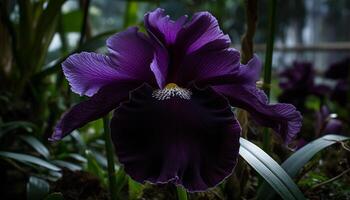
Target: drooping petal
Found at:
235, 73
132, 52
204, 65
106, 99
284, 119
193, 142
88, 72
203, 29
162, 27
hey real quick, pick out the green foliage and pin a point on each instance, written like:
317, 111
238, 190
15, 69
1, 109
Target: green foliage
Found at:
270, 170
181, 193
24, 158
37, 188
299, 159
55, 196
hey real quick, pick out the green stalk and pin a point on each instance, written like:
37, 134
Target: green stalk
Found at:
110, 159
268, 65
181, 193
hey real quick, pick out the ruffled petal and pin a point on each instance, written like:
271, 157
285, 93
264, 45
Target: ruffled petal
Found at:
193, 142
132, 52
88, 72
105, 100
162, 27
200, 31
284, 119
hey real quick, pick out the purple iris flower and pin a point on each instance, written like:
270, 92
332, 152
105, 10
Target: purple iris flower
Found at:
172, 92
339, 70
327, 122
298, 83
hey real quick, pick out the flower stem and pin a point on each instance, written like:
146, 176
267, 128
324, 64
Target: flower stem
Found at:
181, 193
110, 159
268, 64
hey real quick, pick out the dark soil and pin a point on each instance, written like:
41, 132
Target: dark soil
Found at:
79, 185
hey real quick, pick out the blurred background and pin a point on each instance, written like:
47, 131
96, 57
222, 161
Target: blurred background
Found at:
311, 63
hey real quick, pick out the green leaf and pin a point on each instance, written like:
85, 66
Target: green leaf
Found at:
37, 188
55, 196
181, 193
298, 160
94, 168
29, 159
121, 179
10, 126
36, 144
67, 165
270, 170
72, 21
135, 189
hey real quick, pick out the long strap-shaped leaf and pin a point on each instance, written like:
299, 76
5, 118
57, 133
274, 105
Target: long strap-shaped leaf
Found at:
270, 170
29, 159
296, 161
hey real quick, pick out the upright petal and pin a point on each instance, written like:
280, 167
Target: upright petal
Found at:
159, 65
106, 99
203, 29
284, 119
88, 72
132, 52
162, 27
193, 142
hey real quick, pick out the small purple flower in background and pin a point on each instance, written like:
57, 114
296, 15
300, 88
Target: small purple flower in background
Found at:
172, 91
340, 71
298, 82
327, 122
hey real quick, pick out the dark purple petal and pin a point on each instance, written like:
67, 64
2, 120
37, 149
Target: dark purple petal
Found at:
339, 70
200, 31
191, 142
162, 27
204, 65
333, 126
299, 77
88, 72
284, 119
244, 74
132, 52
340, 93
159, 65
105, 100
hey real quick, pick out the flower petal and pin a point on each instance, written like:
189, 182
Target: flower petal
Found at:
162, 27
189, 142
204, 65
106, 99
201, 30
132, 52
88, 72
159, 65
284, 119
232, 72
